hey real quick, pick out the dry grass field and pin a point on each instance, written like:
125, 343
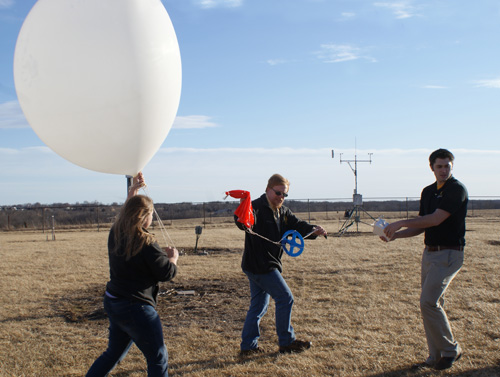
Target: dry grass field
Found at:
356, 299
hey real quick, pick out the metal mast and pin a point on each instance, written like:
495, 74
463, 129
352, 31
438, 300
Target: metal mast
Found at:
353, 215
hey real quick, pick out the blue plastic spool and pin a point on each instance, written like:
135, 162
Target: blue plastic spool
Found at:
292, 240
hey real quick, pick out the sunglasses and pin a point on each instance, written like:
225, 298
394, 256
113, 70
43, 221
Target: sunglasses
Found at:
279, 193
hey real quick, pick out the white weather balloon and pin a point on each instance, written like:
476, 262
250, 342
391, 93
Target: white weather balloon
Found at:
99, 81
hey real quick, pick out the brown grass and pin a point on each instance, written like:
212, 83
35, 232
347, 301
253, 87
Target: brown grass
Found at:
356, 299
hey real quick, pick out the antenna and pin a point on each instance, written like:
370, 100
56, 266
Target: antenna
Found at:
353, 216
355, 169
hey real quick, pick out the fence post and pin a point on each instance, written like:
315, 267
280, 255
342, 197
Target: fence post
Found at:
204, 220
407, 209
308, 210
53, 228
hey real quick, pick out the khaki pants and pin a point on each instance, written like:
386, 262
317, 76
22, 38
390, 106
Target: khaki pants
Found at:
438, 270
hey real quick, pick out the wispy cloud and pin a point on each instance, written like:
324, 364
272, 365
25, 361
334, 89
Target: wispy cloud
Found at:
218, 3
282, 151
334, 53
276, 61
493, 83
347, 15
11, 115
174, 174
193, 121
6, 3
433, 87
401, 9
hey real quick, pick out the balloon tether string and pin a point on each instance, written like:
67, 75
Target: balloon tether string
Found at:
163, 230
250, 231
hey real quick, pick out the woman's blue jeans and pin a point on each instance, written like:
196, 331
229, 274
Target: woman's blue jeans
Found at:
132, 322
262, 287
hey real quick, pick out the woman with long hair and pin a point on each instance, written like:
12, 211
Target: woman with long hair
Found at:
137, 264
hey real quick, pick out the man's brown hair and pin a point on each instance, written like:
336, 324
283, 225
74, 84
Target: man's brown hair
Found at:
277, 180
440, 153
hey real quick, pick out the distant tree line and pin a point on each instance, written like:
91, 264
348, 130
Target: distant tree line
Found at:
81, 215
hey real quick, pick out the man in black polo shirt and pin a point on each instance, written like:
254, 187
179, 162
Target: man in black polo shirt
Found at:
443, 208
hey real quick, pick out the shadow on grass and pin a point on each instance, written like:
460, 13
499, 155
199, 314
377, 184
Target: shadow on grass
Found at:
180, 369
493, 371
23, 318
127, 373
74, 307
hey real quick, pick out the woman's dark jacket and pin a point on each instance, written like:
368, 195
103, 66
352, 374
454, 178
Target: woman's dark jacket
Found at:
137, 278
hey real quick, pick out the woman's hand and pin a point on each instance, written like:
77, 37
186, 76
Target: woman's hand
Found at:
138, 180
172, 254
137, 183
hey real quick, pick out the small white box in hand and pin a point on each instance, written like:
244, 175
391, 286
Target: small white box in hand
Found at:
379, 226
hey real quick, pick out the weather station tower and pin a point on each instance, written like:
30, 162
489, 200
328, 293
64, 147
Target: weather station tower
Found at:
353, 216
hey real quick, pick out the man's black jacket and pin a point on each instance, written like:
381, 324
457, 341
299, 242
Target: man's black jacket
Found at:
260, 255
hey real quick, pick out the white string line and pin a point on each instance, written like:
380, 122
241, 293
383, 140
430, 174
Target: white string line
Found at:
250, 231
163, 230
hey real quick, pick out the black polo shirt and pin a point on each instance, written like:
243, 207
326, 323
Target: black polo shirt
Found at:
452, 198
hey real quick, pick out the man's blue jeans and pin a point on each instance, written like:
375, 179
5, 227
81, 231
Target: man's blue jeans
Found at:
132, 322
263, 286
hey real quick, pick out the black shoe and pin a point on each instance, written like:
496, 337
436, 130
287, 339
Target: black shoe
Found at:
253, 351
296, 346
446, 362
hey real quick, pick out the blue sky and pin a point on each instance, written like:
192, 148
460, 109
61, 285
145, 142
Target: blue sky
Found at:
273, 86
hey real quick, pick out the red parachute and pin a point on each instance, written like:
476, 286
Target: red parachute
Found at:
244, 212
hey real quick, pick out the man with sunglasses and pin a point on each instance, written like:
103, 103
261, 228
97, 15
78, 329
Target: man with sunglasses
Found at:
443, 208
262, 265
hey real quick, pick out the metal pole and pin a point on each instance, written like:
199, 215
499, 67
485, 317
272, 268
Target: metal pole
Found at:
129, 183
43, 220
356, 205
356, 174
